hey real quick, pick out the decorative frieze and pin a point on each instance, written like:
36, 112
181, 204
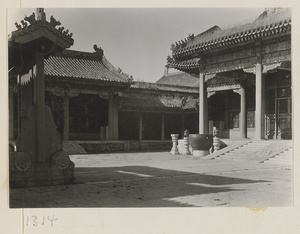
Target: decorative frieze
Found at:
104, 95
223, 87
209, 94
58, 91
172, 100
73, 92
266, 68
244, 59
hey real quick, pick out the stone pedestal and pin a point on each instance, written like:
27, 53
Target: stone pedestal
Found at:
24, 164
216, 143
186, 150
174, 149
39, 174
216, 139
38, 159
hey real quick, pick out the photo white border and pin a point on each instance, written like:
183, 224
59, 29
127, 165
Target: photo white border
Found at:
149, 220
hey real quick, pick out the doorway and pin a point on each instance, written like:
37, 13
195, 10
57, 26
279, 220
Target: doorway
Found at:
279, 113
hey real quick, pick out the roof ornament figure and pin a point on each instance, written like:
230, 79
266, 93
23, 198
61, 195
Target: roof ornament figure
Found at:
54, 22
98, 50
191, 36
61, 29
170, 59
41, 15
24, 24
30, 19
18, 26
66, 32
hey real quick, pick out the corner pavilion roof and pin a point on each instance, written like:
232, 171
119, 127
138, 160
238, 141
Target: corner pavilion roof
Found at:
88, 67
274, 23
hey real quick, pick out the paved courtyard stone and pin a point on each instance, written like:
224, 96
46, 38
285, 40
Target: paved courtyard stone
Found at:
162, 180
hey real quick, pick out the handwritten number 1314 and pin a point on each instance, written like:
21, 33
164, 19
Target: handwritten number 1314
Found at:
35, 220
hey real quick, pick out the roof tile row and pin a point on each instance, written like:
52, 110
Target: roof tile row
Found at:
275, 24
62, 66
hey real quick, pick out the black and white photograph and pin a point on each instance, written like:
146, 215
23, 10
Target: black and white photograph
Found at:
150, 107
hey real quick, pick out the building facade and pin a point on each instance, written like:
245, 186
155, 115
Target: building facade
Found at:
245, 86
101, 108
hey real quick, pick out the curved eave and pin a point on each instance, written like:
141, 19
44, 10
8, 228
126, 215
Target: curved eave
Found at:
185, 65
39, 30
263, 32
86, 81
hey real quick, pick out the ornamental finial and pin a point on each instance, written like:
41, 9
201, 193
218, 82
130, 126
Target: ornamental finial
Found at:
41, 15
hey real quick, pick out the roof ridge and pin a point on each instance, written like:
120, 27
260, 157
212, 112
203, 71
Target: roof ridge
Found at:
79, 54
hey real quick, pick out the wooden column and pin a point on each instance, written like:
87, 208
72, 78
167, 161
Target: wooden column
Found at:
182, 125
162, 126
116, 123
258, 102
66, 117
112, 119
206, 124
11, 115
201, 104
141, 127
243, 114
40, 109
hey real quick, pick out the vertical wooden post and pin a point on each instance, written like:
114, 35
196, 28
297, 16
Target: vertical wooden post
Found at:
201, 104
162, 126
11, 114
66, 117
243, 113
258, 101
40, 109
141, 127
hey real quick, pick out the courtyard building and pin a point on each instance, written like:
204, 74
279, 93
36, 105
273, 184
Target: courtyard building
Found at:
244, 73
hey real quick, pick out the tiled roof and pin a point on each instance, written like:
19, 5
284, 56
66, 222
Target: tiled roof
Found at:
82, 65
41, 29
179, 78
274, 23
187, 64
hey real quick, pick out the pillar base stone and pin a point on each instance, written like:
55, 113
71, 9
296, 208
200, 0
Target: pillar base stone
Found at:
41, 174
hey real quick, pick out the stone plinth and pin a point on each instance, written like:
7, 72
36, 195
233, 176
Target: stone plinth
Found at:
26, 167
181, 147
174, 149
41, 174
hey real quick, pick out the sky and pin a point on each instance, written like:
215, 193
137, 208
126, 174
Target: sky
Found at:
137, 39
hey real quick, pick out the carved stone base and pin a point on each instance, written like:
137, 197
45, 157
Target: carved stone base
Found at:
42, 174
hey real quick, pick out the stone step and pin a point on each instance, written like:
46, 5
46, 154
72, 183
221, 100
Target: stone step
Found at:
283, 158
72, 147
247, 152
242, 151
274, 162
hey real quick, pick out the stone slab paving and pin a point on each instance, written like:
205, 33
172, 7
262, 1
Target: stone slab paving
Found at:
162, 180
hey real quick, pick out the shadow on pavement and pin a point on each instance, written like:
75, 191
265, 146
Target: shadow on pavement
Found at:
129, 186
